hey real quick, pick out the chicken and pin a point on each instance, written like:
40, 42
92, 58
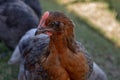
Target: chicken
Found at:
65, 61
16, 55
15, 19
26, 44
32, 50
17, 59
35, 5
97, 74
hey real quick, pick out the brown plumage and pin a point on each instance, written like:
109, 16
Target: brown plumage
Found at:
65, 60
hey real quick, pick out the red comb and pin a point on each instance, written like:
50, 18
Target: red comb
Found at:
44, 17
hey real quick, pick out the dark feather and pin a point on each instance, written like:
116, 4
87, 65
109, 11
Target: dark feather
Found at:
15, 19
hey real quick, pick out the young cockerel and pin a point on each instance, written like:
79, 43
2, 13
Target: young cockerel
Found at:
66, 60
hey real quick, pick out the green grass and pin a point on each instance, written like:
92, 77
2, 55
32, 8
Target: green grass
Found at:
105, 53
115, 5
7, 72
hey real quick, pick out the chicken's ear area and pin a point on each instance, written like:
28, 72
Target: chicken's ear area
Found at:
43, 19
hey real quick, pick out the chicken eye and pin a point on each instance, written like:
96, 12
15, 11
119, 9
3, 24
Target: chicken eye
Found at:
55, 23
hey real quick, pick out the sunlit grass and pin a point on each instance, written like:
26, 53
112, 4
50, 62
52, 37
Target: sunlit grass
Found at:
99, 16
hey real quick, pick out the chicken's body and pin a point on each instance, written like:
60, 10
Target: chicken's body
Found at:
35, 5
97, 74
32, 50
66, 64
16, 55
15, 19
65, 60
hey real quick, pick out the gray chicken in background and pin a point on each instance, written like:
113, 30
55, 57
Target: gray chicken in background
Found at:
16, 18
97, 74
35, 5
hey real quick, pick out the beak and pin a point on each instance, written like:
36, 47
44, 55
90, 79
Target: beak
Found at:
47, 31
37, 31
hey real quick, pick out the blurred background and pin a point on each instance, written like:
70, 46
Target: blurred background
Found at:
97, 27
